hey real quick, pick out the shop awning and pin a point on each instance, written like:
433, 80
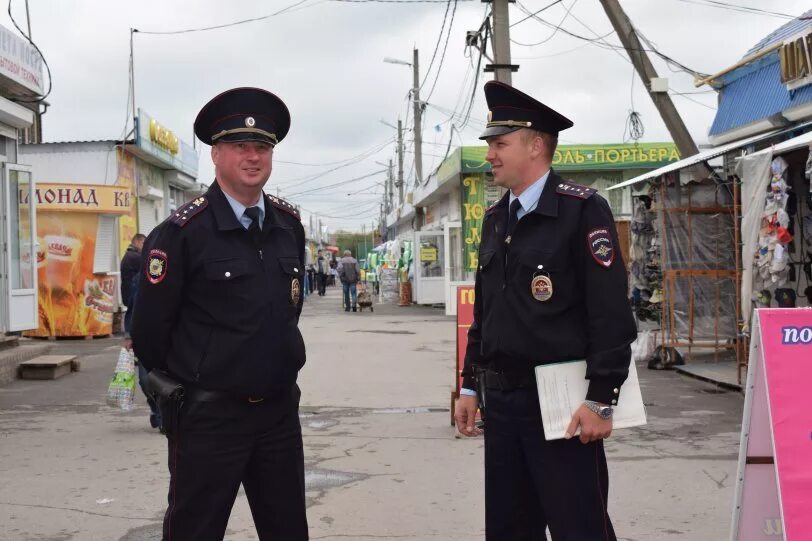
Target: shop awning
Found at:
795, 143
703, 156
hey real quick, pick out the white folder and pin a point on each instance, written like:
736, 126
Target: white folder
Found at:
562, 388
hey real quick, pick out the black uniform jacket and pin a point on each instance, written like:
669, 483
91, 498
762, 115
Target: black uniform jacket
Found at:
217, 310
571, 239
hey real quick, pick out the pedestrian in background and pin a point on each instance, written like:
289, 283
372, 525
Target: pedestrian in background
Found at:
349, 274
322, 271
130, 275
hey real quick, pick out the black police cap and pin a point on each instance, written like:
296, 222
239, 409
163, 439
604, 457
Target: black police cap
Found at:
511, 110
243, 114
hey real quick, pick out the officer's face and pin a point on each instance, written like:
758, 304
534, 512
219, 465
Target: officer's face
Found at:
243, 166
510, 157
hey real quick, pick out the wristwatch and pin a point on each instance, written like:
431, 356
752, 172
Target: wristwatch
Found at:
604, 412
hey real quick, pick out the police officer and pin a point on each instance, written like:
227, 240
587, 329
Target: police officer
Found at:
550, 287
219, 304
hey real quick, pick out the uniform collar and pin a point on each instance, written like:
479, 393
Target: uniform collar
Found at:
530, 196
239, 208
548, 202
226, 217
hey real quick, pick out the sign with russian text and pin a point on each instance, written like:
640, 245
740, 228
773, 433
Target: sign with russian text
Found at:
465, 317
477, 196
161, 143
20, 63
589, 157
101, 199
774, 490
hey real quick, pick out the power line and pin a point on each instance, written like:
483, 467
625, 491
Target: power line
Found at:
740, 8
437, 45
310, 178
226, 25
536, 13
343, 182
555, 31
445, 48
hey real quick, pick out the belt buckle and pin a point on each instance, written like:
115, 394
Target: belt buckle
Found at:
252, 400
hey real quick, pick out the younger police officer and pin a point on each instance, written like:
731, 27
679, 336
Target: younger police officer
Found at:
550, 287
219, 304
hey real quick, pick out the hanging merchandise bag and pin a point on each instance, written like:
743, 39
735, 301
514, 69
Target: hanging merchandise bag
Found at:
121, 391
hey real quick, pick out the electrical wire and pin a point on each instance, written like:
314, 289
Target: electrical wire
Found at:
536, 13
22, 99
555, 31
437, 45
445, 48
343, 182
739, 7
226, 25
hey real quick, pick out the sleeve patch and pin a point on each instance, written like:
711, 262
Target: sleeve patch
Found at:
158, 264
600, 246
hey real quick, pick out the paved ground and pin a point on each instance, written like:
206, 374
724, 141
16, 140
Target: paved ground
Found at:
382, 459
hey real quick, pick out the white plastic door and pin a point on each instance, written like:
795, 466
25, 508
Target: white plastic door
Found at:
429, 256
22, 247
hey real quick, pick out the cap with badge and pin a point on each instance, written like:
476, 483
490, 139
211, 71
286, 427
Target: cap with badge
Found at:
510, 109
243, 114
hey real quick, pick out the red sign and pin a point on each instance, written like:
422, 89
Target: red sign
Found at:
774, 492
465, 317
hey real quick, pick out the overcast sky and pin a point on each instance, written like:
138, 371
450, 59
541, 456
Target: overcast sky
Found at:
324, 58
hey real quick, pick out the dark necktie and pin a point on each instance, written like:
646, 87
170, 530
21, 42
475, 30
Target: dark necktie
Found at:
254, 228
513, 218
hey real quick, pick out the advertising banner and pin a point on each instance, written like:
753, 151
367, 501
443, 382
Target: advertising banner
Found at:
465, 317
72, 300
127, 223
774, 489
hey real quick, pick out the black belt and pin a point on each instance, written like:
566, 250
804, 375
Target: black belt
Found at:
196, 394
509, 381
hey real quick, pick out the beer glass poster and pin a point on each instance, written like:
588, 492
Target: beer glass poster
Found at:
73, 301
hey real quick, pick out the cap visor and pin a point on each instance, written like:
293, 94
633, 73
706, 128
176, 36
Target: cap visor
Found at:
493, 131
245, 137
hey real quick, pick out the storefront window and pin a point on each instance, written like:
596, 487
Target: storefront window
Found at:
432, 256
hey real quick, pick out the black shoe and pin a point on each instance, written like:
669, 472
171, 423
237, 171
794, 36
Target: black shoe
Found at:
354, 309
346, 309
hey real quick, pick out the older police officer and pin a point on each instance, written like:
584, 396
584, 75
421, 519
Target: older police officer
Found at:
550, 287
220, 298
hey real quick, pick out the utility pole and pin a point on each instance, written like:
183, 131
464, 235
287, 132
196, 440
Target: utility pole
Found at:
628, 37
418, 123
400, 163
501, 66
390, 187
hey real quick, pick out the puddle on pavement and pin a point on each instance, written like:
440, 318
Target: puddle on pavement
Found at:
321, 424
318, 479
376, 331
409, 410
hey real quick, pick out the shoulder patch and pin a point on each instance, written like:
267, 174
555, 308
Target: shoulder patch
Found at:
575, 190
599, 242
184, 214
281, 204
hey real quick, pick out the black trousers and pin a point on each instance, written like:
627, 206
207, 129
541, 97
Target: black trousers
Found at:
532, 484
220, 444
321, 279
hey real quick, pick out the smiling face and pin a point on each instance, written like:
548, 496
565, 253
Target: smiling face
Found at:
242, 168
517, 159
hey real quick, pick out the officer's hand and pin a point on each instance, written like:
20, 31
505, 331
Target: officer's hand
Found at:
465, 415
593, 428
128, 344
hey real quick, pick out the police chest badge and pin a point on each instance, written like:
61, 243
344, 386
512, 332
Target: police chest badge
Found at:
295, 291
601, 247
541, 288
156, 269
